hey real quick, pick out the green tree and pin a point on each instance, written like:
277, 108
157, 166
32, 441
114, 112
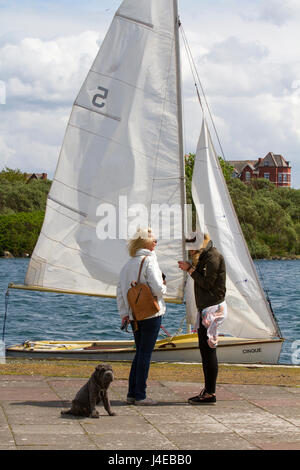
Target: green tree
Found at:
19, 232
18, 196
227, 169
8, 174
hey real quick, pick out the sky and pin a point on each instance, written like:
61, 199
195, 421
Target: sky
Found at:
247, 54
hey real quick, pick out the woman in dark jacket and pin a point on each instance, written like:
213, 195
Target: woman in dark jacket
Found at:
209, 275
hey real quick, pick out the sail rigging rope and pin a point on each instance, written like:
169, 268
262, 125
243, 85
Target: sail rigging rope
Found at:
196, 77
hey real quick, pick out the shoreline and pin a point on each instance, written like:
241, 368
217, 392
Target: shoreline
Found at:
279, 258
271, 258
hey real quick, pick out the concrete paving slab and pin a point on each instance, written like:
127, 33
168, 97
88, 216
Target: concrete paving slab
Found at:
3, 420
211, 441
53, 442
154, 440
114, 425
6, 436
280, 445
246, 417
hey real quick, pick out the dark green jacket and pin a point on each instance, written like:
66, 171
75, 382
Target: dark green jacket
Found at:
209, 278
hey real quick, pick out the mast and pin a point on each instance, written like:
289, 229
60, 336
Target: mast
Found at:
180, 129
180, 126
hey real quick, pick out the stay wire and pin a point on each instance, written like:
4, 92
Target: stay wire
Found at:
196, 74
190, 59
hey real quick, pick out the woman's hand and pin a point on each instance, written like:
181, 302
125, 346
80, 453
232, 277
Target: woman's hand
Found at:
125, 320
184, 265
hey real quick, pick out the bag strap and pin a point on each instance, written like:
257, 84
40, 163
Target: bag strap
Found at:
138, 279
135, 324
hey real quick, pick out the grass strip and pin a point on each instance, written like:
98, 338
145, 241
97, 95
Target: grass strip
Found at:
228, 374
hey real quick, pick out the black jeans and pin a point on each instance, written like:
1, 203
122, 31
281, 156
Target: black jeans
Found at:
209, 360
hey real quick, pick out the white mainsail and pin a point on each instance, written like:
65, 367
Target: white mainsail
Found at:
249, 315
122, 143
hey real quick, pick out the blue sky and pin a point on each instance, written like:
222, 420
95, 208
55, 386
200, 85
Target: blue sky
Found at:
247, 55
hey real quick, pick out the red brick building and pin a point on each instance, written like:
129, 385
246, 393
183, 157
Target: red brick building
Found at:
35, 176
272, 167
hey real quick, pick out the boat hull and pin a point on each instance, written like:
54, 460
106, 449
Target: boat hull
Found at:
182, 348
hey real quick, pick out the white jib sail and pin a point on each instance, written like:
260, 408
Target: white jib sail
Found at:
249, 315
120, 155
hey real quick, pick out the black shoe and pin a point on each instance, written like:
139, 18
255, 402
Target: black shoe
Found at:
203, 398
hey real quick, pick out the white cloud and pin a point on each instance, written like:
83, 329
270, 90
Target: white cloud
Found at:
2, 92
48, 71
7, 153
277, 12
237, 69
31, 140
241, 80
232, 51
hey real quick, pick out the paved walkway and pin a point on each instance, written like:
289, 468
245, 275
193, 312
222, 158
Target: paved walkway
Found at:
245, 417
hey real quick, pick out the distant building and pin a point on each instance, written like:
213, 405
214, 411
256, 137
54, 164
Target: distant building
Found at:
272, 167
35, 176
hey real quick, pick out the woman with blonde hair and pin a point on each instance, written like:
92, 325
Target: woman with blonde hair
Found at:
142, 245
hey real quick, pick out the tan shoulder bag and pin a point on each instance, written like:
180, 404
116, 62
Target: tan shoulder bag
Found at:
141, 300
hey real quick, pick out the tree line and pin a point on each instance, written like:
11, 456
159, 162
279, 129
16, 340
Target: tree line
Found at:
269, 216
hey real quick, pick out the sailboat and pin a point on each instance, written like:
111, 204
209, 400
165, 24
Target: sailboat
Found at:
123, 146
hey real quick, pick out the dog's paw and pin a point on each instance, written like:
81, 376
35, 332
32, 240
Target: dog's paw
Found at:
112, 413
95, 414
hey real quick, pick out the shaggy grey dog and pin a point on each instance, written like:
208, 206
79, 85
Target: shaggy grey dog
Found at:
90, 395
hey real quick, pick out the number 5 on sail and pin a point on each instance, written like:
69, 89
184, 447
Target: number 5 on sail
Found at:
98, 95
